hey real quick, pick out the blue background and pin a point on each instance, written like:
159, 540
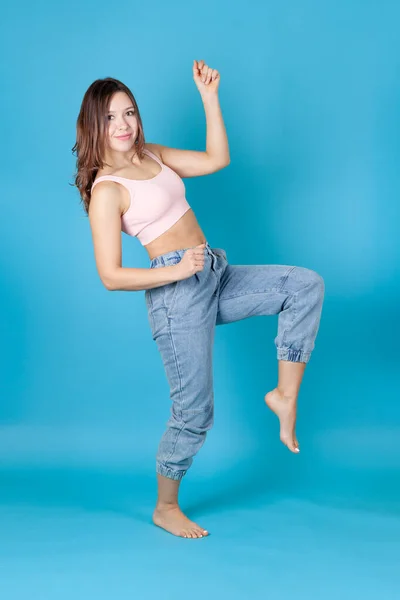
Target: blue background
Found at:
310, 96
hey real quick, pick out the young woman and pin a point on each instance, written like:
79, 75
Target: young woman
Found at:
190, 287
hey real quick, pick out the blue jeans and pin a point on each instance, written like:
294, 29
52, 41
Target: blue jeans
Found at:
183, 316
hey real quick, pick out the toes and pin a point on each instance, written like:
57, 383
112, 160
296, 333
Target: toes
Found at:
196, 533
290, 444
192, 534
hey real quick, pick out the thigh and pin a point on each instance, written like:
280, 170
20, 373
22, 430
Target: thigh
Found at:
252, 290
185, 339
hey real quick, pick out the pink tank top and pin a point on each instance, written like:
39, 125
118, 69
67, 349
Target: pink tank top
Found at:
155, 204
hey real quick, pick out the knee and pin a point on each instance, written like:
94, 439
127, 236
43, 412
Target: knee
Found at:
199, 420
318, 280
312, 278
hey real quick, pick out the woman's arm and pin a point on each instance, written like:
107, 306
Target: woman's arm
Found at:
191, 163
105, 223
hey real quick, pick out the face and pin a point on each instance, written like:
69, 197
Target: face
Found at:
121, 122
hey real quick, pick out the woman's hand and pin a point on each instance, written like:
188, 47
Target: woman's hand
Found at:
191, 262
205, 78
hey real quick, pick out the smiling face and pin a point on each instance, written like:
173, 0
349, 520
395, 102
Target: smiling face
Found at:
122, 121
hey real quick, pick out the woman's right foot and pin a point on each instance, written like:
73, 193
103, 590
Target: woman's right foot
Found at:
172, 519
285, 409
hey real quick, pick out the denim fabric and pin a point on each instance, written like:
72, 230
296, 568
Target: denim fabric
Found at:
183, 316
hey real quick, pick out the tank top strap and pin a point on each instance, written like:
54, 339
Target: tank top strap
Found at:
121, 180
153, 156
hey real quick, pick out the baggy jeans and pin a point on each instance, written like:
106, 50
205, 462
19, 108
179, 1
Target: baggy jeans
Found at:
183, 315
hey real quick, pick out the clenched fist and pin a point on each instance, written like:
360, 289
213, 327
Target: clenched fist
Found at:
206, 78
192, 262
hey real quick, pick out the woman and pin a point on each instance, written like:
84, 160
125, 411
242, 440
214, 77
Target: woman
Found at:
190, 287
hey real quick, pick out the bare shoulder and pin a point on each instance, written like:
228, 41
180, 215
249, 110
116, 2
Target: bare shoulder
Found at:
107, 199
155, 149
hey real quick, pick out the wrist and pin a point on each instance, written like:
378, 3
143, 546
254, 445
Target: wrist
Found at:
174, 271
210, 98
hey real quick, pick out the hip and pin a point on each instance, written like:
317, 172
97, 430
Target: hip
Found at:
193, 300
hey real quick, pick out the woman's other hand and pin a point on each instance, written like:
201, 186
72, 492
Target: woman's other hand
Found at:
206, 79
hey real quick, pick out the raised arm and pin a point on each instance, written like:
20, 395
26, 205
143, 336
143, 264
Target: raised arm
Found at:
192, 163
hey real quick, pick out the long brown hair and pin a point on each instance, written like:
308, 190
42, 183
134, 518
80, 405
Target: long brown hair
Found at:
91, 133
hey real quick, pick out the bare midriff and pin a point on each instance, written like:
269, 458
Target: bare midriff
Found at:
185, 233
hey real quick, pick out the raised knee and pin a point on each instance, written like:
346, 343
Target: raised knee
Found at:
321, 284
310, 277
317, 279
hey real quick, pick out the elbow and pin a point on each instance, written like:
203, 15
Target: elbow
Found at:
219, 161
109, 283
222, 164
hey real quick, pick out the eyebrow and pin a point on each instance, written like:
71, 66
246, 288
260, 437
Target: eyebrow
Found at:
111, 111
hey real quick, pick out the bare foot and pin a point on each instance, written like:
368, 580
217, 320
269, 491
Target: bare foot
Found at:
285, 409
172, 519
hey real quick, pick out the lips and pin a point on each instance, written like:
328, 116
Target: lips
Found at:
123, 137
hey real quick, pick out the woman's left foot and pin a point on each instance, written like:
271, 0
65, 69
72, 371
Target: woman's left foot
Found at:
285, 408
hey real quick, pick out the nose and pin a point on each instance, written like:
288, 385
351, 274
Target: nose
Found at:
121, 123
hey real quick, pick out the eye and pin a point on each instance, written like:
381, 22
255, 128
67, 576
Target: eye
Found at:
129, 111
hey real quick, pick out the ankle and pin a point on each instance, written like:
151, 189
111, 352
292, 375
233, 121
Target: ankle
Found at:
287, 393
166, 505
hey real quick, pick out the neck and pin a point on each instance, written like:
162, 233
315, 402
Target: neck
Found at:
119, 160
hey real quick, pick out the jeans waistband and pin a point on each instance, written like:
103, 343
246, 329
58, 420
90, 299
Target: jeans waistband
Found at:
164, 257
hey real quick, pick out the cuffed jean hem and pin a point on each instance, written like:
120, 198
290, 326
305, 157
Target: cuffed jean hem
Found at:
293, 355
167, 472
